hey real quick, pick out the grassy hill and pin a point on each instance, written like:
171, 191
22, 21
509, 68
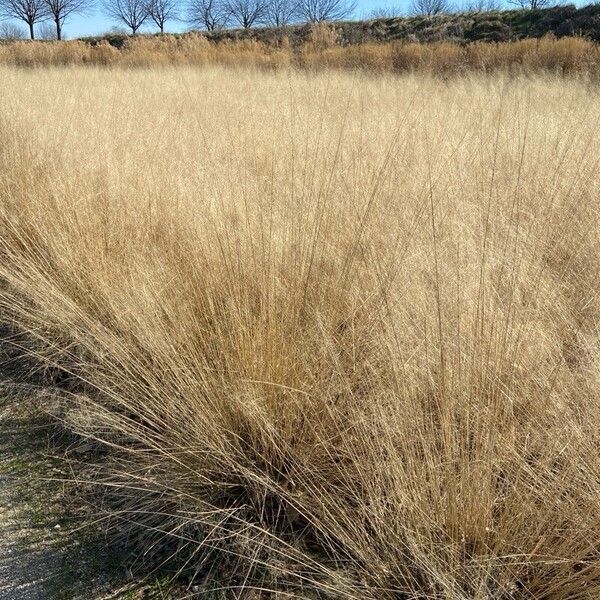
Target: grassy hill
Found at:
496, 26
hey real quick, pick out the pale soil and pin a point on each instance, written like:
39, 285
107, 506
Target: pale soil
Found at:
27, 571
29, 562
41, 556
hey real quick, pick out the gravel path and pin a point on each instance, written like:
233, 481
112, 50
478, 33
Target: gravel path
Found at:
30, 561
40, 559
28, 570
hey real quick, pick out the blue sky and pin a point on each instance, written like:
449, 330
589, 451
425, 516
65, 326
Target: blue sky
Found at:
96, 22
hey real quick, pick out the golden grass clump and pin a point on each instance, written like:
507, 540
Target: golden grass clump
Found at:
336, 335
563, 56
323, 50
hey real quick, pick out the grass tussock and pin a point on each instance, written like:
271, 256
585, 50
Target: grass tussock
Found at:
322, 49
351, 354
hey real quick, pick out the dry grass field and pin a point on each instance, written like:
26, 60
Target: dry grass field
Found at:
323, 48
328, 335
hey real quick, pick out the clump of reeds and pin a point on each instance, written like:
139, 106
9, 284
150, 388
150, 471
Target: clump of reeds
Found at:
334, 340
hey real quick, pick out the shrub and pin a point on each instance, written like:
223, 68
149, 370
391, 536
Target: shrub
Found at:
489, 31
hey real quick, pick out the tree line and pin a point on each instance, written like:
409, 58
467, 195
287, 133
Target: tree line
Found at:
205, 14
214, 14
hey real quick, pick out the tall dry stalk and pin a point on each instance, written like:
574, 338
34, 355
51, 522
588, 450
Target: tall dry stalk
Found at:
337, 336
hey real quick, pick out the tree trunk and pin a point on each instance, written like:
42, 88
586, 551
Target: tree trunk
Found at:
31, 32
58, 29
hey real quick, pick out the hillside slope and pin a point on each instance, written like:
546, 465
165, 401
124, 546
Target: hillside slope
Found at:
496, 26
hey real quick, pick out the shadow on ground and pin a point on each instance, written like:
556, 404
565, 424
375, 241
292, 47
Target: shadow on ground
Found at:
44, 552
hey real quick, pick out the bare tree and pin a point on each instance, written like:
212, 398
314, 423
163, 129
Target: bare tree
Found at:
478, 6
60, 10
161, 11
246, 12
326, 10
384, 12
131, 13
46, 31
429, 8
531, 4
279, 13
28, 11
9, 31
207, 14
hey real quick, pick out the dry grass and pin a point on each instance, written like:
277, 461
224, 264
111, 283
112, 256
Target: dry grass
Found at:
337, 335
571, 55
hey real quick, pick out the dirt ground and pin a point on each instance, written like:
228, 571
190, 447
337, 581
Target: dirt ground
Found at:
44, 555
